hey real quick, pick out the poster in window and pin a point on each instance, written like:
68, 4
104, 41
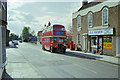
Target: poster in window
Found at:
107, 44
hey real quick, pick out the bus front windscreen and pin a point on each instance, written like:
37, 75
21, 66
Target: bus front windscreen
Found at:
59, 28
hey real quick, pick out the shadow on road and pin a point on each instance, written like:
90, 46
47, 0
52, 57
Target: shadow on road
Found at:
7, 77
80, 55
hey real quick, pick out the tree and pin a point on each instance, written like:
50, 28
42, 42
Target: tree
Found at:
26, 30
69, 34
13, 36
33, 32
25, 34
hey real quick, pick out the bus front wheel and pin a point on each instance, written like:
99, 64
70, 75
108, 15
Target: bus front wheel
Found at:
63, 51
51, 49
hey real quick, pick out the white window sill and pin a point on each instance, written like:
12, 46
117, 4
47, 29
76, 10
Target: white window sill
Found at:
104, 25
79, 29
94, 46
98, 27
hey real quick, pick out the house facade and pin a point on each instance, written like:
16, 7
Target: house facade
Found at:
3, 27
39, 36
96, 27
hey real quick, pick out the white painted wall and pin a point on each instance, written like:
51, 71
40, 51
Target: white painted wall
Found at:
118, 46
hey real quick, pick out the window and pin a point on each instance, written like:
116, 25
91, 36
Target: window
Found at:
59, 33
105, 16
62, 28
58, 39
3, 4
90, 19
56, 28
78, 38
79, 22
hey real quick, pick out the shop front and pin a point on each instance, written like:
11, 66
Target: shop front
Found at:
101, 41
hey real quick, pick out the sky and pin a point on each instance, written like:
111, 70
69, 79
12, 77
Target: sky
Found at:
35, 14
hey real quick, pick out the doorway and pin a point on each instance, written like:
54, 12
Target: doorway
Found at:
100, 45
84, 43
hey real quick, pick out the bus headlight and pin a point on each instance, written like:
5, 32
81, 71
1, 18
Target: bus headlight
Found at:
64, 46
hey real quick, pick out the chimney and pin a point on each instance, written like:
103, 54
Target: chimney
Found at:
84, 2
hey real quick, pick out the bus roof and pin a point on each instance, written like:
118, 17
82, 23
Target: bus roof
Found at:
58, 25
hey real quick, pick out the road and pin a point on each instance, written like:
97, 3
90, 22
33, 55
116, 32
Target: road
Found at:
30, 61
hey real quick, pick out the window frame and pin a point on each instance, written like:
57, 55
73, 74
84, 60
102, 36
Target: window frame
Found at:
90, 17
79, 22
78, 38
103, 23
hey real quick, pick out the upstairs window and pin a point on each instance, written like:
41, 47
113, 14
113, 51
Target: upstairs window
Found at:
90, 20
105, 16
79, 22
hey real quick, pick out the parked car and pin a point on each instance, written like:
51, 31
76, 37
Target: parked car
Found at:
20, 41
15, 42
12, 45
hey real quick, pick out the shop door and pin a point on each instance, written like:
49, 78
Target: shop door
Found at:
100, 48
83, 43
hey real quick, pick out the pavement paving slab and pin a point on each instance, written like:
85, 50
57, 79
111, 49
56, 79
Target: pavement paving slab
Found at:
105, 58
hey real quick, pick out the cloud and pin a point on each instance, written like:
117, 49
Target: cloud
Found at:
14, 5
18, 19
43, 1
44, 8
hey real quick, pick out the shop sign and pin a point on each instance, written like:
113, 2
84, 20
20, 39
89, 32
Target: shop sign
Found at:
107, 45
101, 32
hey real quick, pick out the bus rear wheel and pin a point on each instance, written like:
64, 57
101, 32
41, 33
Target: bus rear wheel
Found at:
43, 47
51, 49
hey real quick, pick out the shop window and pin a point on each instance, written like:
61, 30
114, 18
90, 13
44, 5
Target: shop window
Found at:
94, 41
105, 16
107, 43
90, 20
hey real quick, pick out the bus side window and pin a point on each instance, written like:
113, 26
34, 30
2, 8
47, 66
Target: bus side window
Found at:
51, 39
43, 40
48, 40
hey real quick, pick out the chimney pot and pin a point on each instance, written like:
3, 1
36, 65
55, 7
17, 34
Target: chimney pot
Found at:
84, 2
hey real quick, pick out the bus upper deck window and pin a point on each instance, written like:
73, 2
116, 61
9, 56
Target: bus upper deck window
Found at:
56, 28
62, 28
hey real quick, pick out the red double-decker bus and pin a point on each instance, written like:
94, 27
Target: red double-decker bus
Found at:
53, 38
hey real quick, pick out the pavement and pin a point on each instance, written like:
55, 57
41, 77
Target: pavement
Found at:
105, 58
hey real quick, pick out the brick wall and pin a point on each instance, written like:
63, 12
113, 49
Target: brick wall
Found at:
113, 20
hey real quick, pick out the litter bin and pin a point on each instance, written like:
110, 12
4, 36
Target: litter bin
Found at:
71, 45
93, 51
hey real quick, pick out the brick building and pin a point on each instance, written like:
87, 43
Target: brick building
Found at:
39, 36
3, 27
96, 26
